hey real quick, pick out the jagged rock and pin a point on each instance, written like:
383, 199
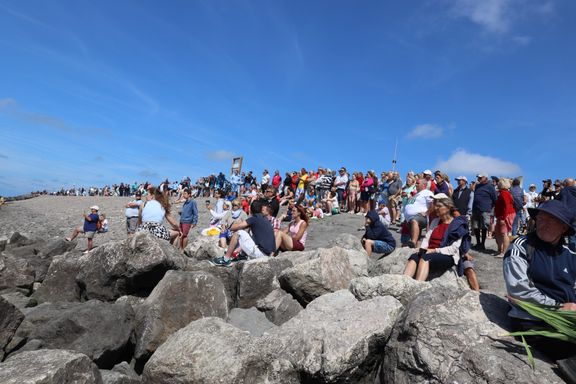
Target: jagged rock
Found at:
15, 274
130, 267
256, 280
347, 241
250, 319
112, 377
18, 240
134, 301
330, 272
57, 246
125, 369
449, 336
18, 299
181, 297
204, 248
210, 351
49, 367
279, 306
60, 282
228, 276
10, 319
401, 287
392, 264
99, 330
336, 338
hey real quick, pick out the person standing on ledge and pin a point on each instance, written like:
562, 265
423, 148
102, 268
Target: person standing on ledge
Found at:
89, 228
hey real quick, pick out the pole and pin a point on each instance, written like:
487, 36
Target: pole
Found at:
394, 159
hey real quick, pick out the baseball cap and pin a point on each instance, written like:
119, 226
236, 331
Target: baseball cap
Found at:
94, 207
461, 178
482, 175
439, 196
427, 172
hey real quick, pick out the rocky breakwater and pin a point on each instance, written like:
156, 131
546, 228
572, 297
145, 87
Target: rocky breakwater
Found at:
138, 311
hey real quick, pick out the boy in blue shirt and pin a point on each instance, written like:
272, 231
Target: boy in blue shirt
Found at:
188, 217
89, 228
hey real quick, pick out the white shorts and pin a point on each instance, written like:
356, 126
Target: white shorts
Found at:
248, 246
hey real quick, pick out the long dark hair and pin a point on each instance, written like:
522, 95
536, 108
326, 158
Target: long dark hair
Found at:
302, 212
163, 200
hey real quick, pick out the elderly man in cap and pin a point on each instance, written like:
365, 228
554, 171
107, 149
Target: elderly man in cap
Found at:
341, 182
89, 228
482, 205
463, 197
540, 268
430, 184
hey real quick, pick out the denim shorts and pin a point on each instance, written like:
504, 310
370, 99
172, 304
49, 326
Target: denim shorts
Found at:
382, 247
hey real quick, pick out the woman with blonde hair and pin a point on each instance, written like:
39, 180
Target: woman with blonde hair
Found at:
504, 214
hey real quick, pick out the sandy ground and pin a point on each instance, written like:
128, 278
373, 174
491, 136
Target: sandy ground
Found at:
56, 216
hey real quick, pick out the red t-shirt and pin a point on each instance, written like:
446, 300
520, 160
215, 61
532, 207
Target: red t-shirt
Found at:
437, 236
504, 204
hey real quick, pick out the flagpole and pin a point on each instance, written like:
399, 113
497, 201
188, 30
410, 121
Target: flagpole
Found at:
394, 159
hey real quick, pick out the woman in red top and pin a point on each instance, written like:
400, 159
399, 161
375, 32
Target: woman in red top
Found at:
504, 214
439, 250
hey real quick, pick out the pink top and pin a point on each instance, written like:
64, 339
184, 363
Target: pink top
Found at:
294, 228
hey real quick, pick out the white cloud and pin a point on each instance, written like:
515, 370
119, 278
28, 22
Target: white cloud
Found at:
492, 15
463, 162
220, 155
426, 131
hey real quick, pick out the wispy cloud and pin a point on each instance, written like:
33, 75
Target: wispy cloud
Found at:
3, 156
10, 106
463, 162
99, 159
149, 174
426, 131
220, 155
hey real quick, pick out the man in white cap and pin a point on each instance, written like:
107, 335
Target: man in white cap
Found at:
89, 228
430, 184
463, 196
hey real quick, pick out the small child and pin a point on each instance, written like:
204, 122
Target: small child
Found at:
103, 224
384, 213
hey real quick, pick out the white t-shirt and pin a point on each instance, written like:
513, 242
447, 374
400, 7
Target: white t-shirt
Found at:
340, 181
266, 179
530, 196
133, 212
417, 204
153, 211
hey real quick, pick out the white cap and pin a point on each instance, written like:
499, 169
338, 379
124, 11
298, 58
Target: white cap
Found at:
482, 174
461, 178
427, 172
440, 196
94, 207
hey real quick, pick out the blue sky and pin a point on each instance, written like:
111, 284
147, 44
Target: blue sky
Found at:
93, 93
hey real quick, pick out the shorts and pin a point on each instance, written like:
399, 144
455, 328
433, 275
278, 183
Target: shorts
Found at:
90, 234
185, 229
227, 234
364, 196
504, 226
297, 245
481, 220
155, 229
438, 262
382, 247
467, 264
249, 246
131, 224
421, 220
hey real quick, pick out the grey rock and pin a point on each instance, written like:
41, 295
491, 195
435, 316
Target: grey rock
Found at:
134, 301
17, 240
204, 248
10, 319
3, 243
347, 241
99, 330
330, 272
181, 297
18, 299
49, 367
112, 377
392, 264
211, 351
56, 246
15, 274
401, 287
256, 280
130, 267
250, 319
279, 306
125, 369
60, 282
228, 276
449, 336
336, 338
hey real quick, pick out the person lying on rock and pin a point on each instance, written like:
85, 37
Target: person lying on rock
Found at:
89, 228
540, 268
259, 243
377, 237
446, 240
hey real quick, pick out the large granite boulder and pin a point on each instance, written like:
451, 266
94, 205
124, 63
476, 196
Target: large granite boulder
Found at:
99, 330
211, 351
10, 319
18, 240
56, 246
15, 274
392, 264
228, 276
256, 280
49, 367
279, 306
455, 336
347, 241
251, 320
122, 373
331, 271
336, 338
130, 267
181, 297
18, 299
204, 248
60, 282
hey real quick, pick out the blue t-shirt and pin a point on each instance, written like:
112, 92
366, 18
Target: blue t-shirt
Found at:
90, 226
189, 213
262, 233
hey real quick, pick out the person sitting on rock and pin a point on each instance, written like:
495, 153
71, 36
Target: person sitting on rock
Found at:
447, 239
260, 243
293, 238
152, 216
89, 228
234, 215
540, 268
416, 212
377, 237
103, 225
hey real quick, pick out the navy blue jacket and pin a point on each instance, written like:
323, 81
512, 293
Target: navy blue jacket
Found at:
458, 229
377, 231
484, 198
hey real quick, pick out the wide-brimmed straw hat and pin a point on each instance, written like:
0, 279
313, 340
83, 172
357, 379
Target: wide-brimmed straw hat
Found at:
559, 210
